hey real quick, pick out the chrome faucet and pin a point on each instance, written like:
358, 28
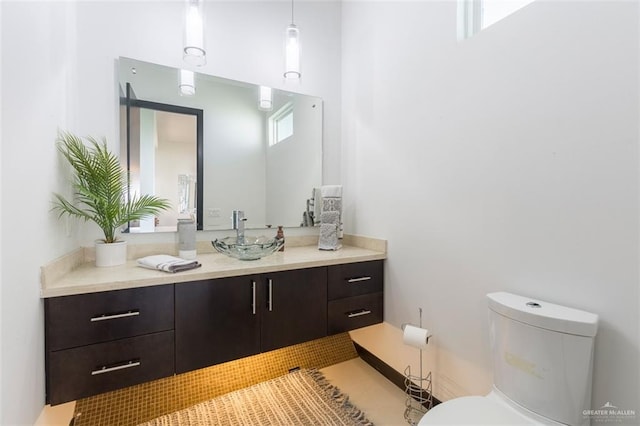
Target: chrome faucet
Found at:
237, 223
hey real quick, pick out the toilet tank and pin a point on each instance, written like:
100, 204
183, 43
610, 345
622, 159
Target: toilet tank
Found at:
543, 355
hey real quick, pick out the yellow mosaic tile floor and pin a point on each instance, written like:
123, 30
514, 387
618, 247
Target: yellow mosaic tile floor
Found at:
136, 404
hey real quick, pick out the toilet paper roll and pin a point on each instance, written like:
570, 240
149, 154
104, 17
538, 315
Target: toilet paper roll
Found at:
415, 336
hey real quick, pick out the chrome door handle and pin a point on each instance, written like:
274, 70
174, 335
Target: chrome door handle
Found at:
270, 300
357, 280
359, 313
106, 317
253, 297
105, 369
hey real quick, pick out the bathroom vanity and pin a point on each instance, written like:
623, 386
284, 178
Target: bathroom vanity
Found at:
229, 318
109, 328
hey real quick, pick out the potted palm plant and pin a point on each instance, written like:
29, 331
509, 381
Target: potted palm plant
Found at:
101, 195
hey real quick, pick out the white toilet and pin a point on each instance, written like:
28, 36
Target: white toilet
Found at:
542, 367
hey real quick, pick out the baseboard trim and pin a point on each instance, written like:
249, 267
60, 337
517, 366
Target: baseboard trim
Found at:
385, 369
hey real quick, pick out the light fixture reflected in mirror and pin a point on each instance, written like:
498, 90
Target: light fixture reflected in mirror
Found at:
187, 83
193, 52
266, 98
292, 51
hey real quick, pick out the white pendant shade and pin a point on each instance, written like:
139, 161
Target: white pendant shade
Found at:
266, 102
292, 53
194, 53
187, 83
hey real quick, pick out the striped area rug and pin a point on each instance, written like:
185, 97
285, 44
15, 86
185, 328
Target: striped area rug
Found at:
303, 397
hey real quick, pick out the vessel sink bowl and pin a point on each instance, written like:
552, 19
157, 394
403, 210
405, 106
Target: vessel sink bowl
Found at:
253, 248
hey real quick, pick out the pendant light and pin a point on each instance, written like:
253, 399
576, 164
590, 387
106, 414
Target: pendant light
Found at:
193, 52
266, 99
292, 51
187, 83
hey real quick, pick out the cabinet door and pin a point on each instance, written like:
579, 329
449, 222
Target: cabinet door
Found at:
216, 321
295, 307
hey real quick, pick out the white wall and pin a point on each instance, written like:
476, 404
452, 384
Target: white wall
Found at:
244, 41
36, 99
506, 162
289, 180
58, 71
1, 222
234, 181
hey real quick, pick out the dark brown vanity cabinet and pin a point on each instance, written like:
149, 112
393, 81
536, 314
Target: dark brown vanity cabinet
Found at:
99, 342
355, 295
294, 307
224, 319
216, 321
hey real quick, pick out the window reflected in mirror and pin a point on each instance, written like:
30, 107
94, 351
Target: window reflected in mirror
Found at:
281, 124
476, 15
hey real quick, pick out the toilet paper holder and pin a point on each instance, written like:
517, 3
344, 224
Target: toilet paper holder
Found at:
418, 388
415, 336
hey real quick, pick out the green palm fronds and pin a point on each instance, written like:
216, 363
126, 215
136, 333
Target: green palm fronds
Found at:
101, 187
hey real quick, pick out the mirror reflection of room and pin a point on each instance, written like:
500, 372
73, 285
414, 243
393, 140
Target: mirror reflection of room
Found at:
162, 162
248, 142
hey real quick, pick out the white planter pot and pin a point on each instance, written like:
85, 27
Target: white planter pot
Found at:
112, 254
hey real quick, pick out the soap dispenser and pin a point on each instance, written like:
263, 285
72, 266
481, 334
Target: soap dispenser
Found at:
280, 236
187, 239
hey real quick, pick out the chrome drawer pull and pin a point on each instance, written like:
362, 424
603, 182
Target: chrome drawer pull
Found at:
357, 280
359, 313
115, 316
105, 369
253, 297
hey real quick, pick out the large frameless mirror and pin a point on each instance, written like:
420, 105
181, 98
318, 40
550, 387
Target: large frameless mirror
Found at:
213, 145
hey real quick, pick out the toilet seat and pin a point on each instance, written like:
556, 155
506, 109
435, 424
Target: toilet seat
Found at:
492, 409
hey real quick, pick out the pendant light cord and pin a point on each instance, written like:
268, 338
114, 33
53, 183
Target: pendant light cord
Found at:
292, 11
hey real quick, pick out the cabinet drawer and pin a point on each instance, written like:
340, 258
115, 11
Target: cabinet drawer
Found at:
355, 312
353, 279
89, 370
84, 319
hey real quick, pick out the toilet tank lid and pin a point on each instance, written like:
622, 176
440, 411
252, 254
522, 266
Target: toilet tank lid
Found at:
544, 314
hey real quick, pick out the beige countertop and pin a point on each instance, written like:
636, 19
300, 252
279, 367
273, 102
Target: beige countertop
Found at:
84, 277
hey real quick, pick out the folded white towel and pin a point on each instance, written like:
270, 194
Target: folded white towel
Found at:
331, 191
332, 204
330, 217
328, 239
317, 203
166, 263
